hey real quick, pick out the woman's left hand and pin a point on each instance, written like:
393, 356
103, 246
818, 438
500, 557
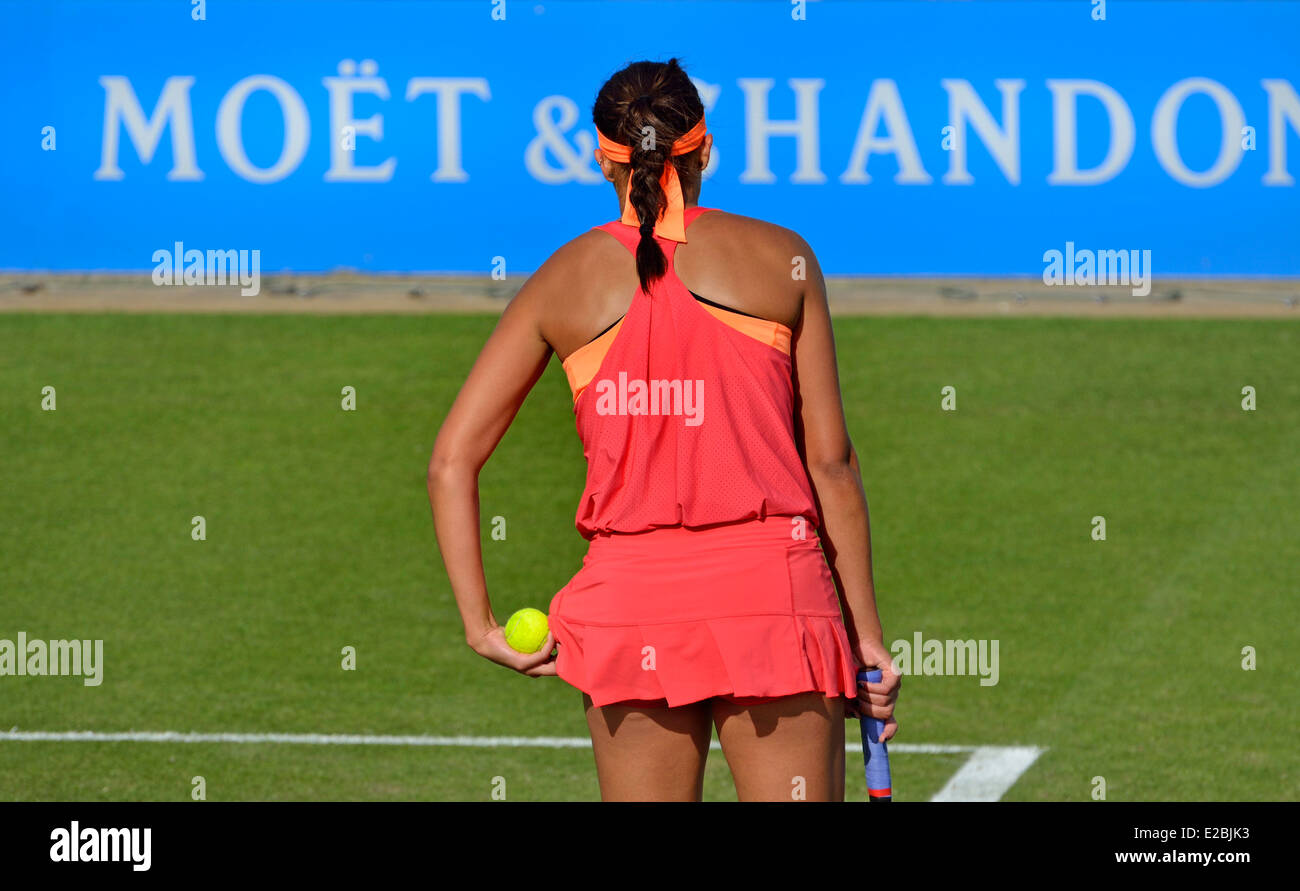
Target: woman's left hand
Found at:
876, 700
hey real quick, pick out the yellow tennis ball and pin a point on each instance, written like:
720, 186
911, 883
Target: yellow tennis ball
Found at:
526, 630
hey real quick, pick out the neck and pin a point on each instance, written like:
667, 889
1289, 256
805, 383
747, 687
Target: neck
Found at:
688, 200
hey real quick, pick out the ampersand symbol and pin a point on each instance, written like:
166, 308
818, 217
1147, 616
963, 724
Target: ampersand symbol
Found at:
552, 117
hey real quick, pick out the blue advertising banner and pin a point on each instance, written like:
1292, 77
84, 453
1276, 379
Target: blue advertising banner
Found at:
896, 137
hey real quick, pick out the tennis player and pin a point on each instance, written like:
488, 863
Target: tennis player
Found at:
723, 501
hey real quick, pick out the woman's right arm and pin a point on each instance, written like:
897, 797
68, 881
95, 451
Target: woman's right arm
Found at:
510, 363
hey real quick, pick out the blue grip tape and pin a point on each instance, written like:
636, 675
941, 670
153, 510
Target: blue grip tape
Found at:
875, 755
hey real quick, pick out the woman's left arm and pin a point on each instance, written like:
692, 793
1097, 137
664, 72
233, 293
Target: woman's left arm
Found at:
511, 362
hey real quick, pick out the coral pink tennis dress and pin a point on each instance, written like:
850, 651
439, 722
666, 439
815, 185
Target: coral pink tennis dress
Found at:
704, 575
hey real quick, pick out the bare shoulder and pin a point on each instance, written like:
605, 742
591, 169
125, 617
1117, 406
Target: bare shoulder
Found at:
575, 261
749, 265
570, 291
755, 233
569, 271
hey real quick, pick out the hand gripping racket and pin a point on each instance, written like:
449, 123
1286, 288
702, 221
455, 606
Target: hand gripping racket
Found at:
875, 756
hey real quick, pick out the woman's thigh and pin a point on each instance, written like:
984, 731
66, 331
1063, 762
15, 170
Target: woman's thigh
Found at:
648, 751
785, 749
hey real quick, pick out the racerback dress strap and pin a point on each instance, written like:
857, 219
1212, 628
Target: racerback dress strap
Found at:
630, 237
658, 320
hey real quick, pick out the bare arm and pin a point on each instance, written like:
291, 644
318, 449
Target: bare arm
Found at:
510, 363
836, 478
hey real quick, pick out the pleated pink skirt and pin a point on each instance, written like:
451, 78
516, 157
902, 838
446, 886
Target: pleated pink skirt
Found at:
746, 610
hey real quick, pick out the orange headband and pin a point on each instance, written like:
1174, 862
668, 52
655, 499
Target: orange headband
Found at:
672, 223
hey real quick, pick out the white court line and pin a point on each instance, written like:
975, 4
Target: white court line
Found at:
307, 739
346, 739
989, 773
986, 776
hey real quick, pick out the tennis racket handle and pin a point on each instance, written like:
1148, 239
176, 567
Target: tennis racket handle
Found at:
875, 755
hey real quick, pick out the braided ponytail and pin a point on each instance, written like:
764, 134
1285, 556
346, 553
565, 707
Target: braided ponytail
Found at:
649, 151
648, 106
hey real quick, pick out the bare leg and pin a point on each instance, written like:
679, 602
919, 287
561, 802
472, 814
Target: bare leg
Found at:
787, 749
650, 752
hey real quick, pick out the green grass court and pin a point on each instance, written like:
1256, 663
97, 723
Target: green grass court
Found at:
1122, 658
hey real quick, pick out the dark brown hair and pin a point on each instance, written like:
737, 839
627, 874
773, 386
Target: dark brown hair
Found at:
658, 96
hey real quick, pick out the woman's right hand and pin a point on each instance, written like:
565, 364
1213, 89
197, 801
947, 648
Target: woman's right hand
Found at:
492, 646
